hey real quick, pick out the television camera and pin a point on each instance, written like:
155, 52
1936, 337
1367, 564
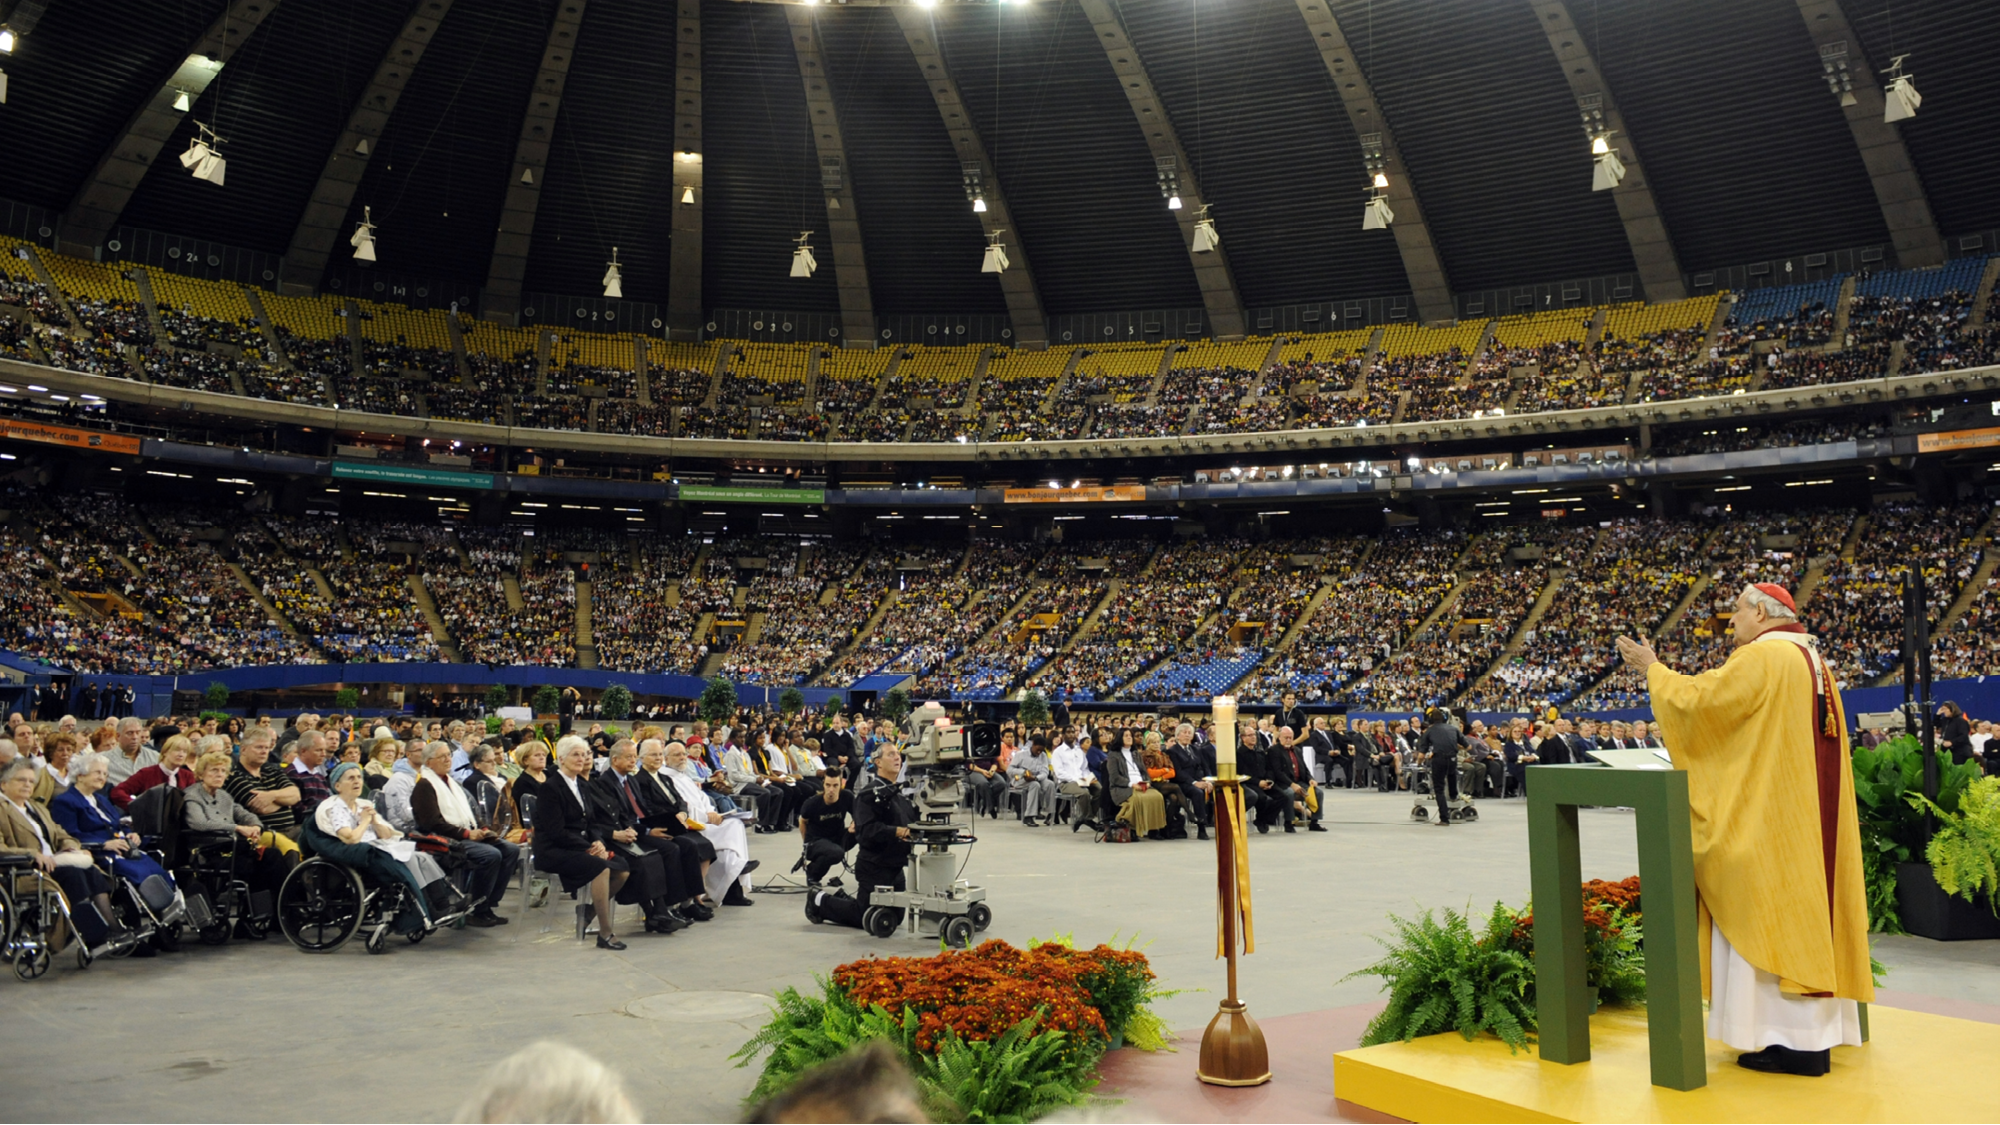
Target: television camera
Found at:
938, 904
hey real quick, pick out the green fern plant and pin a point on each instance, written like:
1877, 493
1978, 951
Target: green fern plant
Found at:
1965, 853
805, 1031
1020, 1076
1444, 976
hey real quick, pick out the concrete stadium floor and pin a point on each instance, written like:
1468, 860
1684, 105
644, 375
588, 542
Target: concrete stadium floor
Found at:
264, 1033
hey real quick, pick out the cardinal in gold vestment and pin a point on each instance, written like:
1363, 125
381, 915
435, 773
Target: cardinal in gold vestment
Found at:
1777, 839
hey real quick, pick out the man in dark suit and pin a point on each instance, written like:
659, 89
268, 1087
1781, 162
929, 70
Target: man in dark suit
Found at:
1303, 796
1954, 733
1555, 748
86, 701
663, 876
1333, 748
1263, 800
1191, 769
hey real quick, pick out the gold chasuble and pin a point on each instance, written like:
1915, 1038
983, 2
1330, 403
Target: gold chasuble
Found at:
1777, 842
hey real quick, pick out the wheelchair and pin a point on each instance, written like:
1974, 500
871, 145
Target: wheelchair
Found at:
31, 918
219, 900
324, 902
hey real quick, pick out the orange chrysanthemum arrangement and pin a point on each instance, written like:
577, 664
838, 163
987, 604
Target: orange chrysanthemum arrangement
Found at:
991, 1033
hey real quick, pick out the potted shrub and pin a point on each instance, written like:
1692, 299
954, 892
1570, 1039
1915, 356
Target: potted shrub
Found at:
1955, 895
615, 703
547, 702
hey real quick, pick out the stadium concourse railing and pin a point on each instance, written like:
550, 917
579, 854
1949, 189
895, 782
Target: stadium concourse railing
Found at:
1765, 404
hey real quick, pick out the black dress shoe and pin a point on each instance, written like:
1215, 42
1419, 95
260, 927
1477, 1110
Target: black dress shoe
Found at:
484, 919
1315, 826
695, 911
611, 943
1201, 833
749, 867
736, 897
1785, 1060
1263, 830
665, 923
1289, 829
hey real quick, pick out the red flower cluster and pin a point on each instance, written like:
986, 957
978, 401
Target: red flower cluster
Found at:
1599, 900
980, 993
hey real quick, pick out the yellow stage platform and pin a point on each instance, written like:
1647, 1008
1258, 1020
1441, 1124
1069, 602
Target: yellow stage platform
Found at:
1916, 1067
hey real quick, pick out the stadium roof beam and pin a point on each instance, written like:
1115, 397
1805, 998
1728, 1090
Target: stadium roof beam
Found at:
684, 304
1017, 281
99, 202
1645, 229
843, 222
1428, 284
320, 225
500, 300
1219, 295
1898, 190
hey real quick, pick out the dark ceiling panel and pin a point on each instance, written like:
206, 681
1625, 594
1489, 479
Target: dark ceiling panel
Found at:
1702, 85
75, 82
610, 171
280, 105
1952, 46
923, 242
760, 174
1274, 151
438, 178
1078, 177
1492, 139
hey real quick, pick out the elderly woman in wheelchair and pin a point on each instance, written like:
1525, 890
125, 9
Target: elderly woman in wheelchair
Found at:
362, 874
149, 904
55, 887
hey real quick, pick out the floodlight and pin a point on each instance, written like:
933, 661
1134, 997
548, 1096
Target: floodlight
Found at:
193, 156
528, 176
979, 205
1600, 145
182, 102
687, 194
1376, 215
363, 239
612, 286
3, 87
803, 263
1381, 179
995, 260
361, 147
1173, 203
6, 41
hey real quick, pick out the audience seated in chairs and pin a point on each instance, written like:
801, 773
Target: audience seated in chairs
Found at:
27, 829
566, 844
171, 769
1069, 764
724, 834
54, 776
265, 856
1031, 773
1139, 804
669, 873
442, 807
260, 784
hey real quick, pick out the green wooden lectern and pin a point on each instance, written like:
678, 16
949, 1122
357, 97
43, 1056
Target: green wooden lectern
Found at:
1666, 879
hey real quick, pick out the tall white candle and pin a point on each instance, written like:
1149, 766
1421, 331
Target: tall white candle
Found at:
1223, 707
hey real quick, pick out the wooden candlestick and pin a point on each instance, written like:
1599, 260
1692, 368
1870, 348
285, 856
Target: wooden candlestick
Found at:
1232, 1049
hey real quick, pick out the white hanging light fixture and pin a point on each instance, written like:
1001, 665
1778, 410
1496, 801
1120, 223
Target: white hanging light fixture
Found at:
1606, 169
979, 205
803, 262
202, 159
363, 239
1900, 98
687, 194
1205, 236
1375, 214
995, 260
182, 103
612, 282
6, 40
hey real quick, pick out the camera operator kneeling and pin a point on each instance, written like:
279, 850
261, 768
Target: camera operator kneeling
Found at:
882, 819
823, 827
